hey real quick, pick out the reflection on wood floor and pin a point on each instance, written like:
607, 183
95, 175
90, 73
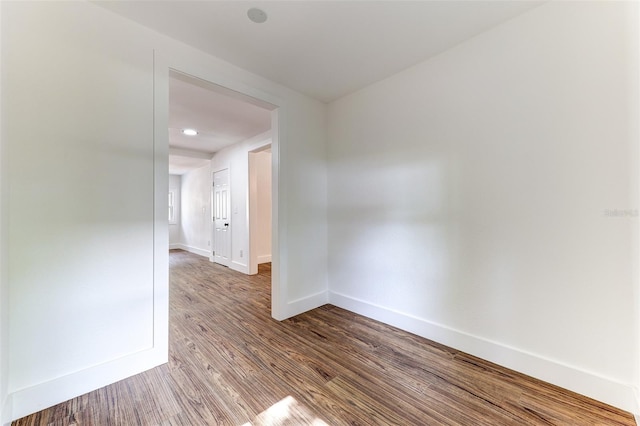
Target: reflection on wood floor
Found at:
232, 364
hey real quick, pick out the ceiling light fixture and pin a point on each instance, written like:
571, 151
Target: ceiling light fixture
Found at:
257, 15
189, 132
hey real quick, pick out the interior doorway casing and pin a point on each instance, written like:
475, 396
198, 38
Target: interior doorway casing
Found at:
163, 65
221, 209
252, 209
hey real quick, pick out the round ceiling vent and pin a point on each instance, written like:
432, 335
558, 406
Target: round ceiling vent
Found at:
257, 15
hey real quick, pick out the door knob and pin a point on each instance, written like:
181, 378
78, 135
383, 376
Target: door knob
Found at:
226, 224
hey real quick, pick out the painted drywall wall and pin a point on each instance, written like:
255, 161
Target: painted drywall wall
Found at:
236, 159
175, 184
487, 198
262, 163
5, 403
81, 229
195, 222
82, 244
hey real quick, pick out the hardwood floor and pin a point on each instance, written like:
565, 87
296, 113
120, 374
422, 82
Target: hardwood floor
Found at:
232, 364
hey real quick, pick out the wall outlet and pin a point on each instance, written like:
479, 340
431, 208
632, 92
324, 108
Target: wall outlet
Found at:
209, 243
241, 253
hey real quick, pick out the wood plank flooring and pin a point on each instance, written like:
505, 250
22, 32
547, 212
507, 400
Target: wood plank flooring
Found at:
232, 364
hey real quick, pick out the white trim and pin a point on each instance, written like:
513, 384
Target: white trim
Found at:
279, 249
160, 349
240, 267
252, 218
212, 207
195, 250
304, 304
220, 169
634, 161
44, 395
173, 220
266, 258
601, 388
278, 107
259, 142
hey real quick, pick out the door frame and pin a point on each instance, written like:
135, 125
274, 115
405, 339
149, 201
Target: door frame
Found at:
163, 64
212, 256
251, 209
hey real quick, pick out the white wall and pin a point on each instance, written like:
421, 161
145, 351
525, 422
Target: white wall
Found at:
5, 403
236, 159
82, 242
468, 198
262, 168
195, 222
81, 230
175, 184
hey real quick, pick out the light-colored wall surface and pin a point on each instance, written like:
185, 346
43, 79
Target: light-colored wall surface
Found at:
236, 159
5, 403
262, 163
81, 238
195, 223
81, 229
175, 184
483, 176
471, 198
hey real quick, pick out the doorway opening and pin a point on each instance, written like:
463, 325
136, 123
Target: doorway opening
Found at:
242, 131
221, 218
260, 205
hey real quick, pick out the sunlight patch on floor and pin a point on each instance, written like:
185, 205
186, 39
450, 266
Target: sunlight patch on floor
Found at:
287, 411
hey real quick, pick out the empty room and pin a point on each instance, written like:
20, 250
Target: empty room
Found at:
454, 206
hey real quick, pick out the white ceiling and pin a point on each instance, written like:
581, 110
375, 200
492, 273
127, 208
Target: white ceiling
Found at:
180, 164
325, 49
221, 120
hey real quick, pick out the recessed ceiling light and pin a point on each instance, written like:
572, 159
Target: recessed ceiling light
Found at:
257, 15
189, 132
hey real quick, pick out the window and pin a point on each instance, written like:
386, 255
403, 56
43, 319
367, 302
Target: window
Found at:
172, 208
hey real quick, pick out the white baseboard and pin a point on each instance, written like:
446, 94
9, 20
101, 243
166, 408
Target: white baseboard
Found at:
33, 399
264, 259
191, 249
296, 307
621, 395
240, 267
198, 251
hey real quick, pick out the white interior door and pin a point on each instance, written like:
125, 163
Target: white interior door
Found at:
221, 222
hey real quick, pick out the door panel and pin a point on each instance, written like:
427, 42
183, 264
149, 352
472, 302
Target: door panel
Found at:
221, 222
